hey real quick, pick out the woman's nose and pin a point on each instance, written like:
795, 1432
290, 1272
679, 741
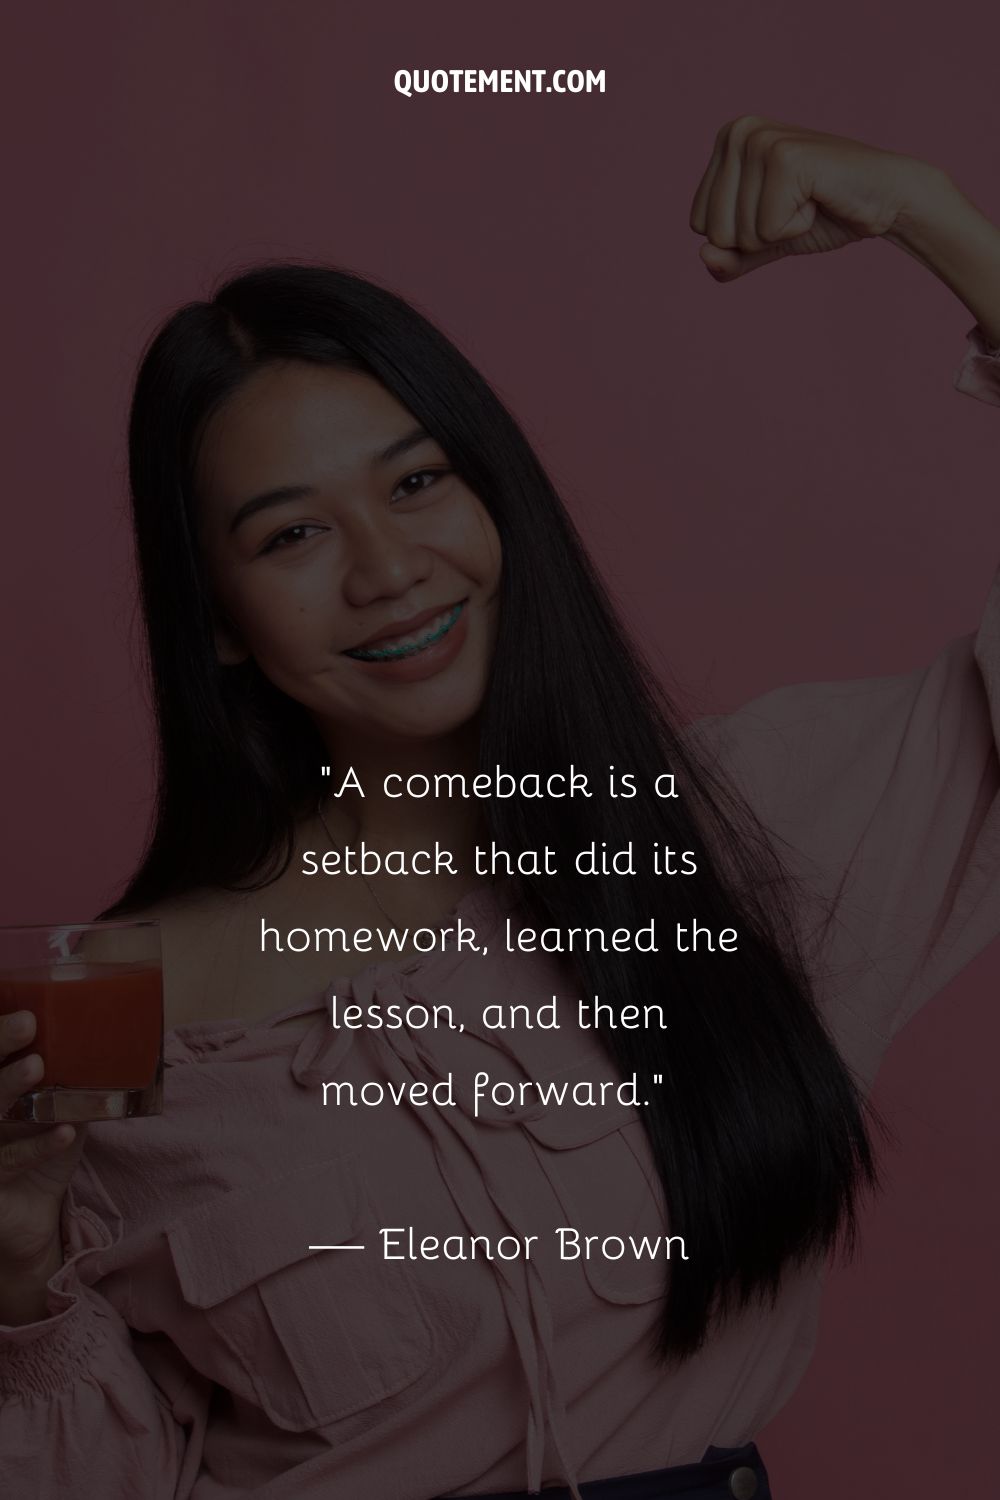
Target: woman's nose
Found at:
384, 561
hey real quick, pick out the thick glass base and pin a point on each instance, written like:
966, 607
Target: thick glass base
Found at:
53, 1106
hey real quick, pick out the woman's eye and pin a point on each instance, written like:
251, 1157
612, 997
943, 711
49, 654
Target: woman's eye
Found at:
289, 537
422, 479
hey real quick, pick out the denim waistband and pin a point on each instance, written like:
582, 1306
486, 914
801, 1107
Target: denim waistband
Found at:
723, 1474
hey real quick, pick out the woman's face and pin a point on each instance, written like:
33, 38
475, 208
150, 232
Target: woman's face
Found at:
345, 557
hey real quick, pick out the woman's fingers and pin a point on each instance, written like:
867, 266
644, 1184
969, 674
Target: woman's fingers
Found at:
699, 205
720, 209
748, 194
19, 1152
729, 265
753, 196
785, 208
17, 1030
17, 1078
713, 210
36, 1161
23, 1144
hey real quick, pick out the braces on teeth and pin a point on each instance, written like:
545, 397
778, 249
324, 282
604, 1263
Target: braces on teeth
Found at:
392, 653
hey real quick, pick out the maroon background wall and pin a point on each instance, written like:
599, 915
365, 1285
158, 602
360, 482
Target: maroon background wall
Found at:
774, 475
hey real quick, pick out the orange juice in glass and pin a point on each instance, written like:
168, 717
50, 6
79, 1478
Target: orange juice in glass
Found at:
96, 992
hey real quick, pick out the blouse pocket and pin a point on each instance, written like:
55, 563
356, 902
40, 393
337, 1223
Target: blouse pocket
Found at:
308, 1335
599, 1165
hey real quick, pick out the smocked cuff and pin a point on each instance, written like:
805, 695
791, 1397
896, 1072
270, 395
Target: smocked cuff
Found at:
45, 1356
38, 1359
979, 373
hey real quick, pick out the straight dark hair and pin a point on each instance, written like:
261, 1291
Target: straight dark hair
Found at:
758, 1130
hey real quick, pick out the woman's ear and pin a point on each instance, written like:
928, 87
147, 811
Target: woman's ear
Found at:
229, 648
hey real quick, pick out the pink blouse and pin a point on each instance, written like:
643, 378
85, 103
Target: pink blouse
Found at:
197, 1349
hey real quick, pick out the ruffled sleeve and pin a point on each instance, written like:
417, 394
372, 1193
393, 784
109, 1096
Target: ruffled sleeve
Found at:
979, 373
80, 1415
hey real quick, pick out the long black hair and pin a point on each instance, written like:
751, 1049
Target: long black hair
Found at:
758, 1130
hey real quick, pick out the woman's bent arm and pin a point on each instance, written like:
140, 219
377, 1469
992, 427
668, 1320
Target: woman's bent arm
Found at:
771, 190
948, 234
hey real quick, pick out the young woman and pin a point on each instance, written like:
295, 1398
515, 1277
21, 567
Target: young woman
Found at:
350, 558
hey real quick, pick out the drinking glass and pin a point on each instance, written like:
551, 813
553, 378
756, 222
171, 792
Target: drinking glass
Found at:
96, 991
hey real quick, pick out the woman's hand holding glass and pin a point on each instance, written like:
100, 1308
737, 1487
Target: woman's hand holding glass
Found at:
36, 1165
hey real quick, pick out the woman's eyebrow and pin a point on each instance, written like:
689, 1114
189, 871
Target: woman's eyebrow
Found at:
268, 498
411, 439
286, 492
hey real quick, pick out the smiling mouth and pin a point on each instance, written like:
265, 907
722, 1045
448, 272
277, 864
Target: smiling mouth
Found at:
416, 641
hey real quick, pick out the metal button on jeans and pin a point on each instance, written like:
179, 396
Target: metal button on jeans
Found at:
743, 1484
